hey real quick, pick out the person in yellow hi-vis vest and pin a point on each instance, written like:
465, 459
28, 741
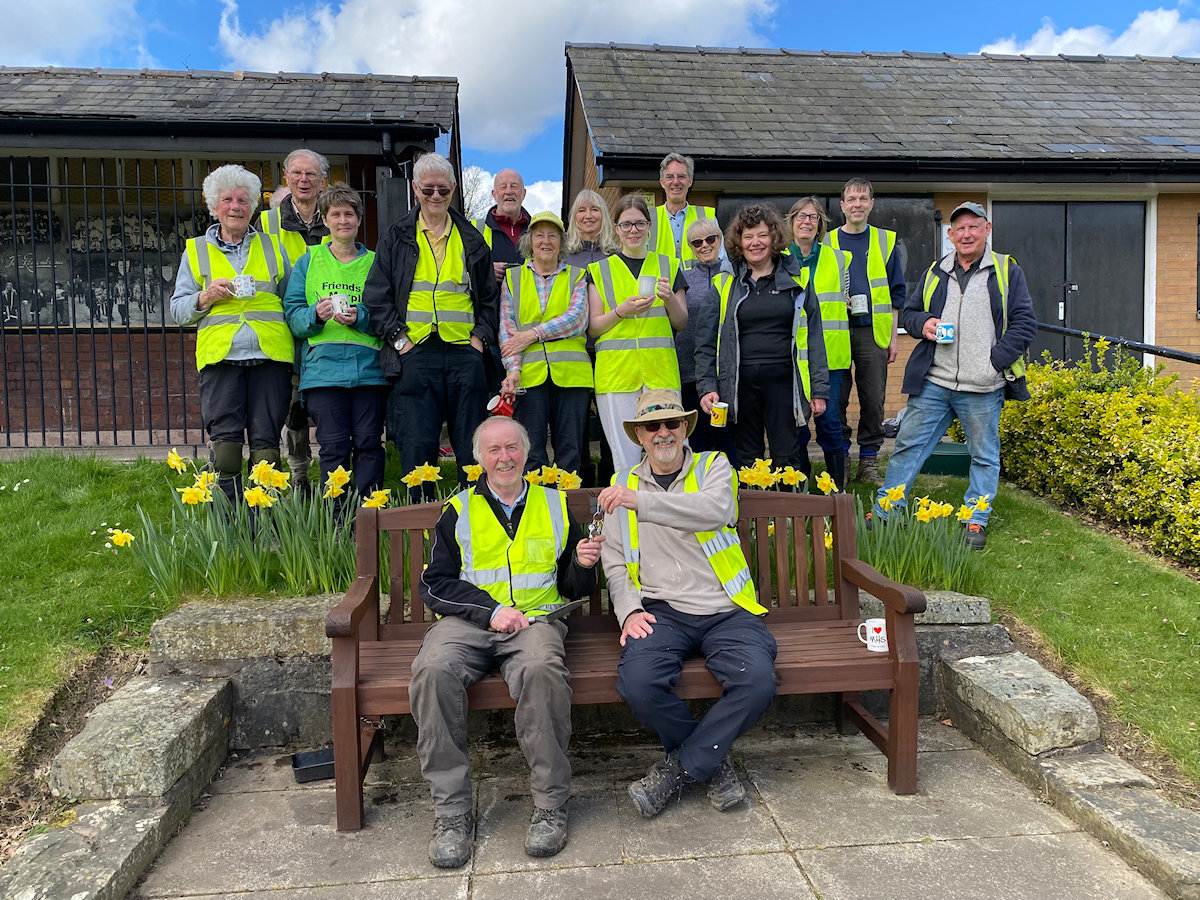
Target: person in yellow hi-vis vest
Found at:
670, 221
636, 303
229, 286
543, 328
504, 555
680, 584
877, 286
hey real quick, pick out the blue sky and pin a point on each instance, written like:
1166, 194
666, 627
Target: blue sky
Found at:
509, 56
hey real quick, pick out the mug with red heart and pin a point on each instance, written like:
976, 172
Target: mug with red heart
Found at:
876, 635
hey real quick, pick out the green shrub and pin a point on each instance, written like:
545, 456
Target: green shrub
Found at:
1122, 442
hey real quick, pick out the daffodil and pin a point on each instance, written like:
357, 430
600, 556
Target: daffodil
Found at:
924, 503
205, 480
256, 496
262, 472
120, 538
194, 495
279, 480
982, 504
924, 514
429, 472
770, 529
339, 477
569, 481
896, 494
412, 479
534, 477
744, 475
947, 510
965, 512
791, 477
551, 474
473, 472
378, 499
829, 540
826, 484
333, 492
175, 461
885, 503
762, 465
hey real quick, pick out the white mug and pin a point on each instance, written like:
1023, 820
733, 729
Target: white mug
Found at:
876, 635
647, 286
859, 305
244, 286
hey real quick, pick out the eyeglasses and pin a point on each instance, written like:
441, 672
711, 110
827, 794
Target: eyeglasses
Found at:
303, 176
653, 427
633, 226
700, 242
807, 217
436, 190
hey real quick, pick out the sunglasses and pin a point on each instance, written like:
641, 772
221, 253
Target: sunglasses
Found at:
653, 427
436, 190
700, 242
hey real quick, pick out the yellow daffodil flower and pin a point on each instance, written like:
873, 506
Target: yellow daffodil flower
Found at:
279, 480
826, 484
194, 494
744, 475
333, 492
791, 477
924, 514
412, 479
569, 481
924, 503
120, 538
947, 510
473, 472
771, 529
175, 461
429, 472
339, 477
534, 477
256, 496
378, 499
896, 494
762, 465
982, 504
885, 504
262, 473
829, 540
550, 474
964, 513
205, 480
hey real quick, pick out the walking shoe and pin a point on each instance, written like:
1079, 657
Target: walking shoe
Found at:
664, 781
868, 470
976, 536
547, 831
725, 789
451, 844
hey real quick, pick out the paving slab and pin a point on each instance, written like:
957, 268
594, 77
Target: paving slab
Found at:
412, 889
1036, 867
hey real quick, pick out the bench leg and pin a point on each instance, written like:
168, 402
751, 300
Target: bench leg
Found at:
347, 756
840, 719
902, 731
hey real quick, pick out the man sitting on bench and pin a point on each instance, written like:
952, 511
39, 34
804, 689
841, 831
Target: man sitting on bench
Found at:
504, 554
679, 584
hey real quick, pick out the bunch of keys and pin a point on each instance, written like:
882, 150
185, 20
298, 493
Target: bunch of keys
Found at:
596, 526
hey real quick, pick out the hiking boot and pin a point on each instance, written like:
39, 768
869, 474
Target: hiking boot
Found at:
868, 470
451, 844
547, 831
725, 789
664, 781
976, 536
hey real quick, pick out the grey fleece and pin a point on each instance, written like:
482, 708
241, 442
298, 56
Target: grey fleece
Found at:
966, 364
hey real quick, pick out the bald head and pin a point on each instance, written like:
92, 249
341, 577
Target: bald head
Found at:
508, 190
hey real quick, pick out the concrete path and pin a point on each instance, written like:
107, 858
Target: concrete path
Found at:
821, 824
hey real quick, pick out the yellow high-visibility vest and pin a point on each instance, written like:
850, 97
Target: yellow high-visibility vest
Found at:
880, 245
639, 350
441, 296
566, 361
662, 238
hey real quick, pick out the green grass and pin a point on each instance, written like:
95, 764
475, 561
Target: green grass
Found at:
1124, 622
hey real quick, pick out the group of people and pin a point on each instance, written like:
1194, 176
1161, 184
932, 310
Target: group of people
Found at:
658, 317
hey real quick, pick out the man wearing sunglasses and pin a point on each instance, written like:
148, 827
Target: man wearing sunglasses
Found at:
433, 298
680, 585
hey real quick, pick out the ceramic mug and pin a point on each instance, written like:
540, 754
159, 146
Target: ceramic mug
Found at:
498, 406
341, 303
719, 415
244, 286
647, 286
943, 332
860, 305
876, 635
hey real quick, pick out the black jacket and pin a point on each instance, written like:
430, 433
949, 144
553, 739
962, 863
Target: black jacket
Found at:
503, 248
446, 594
389, 282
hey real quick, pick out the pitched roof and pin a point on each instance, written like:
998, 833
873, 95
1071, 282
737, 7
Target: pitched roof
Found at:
190, 96
722, 102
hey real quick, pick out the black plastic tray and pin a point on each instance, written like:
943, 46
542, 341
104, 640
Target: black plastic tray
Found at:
312, 765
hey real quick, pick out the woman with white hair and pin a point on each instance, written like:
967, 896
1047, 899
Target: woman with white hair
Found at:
230, 283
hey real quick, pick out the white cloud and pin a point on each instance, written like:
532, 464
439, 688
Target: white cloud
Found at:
1155, 32
68, 32
508, 57
543, 195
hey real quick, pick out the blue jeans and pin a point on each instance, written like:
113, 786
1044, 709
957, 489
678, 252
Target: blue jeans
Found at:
926, 419
829, 423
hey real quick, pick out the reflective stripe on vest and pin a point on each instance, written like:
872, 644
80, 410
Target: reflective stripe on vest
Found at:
639, 350
328, 275
521, 571
441, 297
1000, 263
880, 245
662, 239
263, 312
724, 285
722, 548
831, 281
484, 229
292, 242
566, 361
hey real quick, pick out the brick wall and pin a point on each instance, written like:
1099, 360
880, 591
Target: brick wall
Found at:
1176, 324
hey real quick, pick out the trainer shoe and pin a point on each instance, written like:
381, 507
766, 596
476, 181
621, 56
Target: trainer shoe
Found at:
664, 781
725, 789
451, 844
868, 470
976, 536
547, 831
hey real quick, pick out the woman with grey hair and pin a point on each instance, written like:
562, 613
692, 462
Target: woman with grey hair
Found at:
704, 238
590, 232
230, 283
543, 322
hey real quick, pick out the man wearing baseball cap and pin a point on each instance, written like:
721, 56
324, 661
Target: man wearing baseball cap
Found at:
973, 320
680, 585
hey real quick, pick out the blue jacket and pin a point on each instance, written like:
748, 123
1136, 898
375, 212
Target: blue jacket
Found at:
328, 365
1009, 346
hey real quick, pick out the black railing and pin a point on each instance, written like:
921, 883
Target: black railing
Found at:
1139, 346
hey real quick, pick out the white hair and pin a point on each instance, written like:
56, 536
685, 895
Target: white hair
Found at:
229, 178
490, 421
322, 162
433, 164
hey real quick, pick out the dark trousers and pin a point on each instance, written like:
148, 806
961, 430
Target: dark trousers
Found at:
765, 405
245, 403
705, 437
740, 653
438, 383
350, 431
563, 412
869, 362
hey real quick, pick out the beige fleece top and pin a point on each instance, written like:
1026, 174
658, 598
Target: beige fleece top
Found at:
673, 567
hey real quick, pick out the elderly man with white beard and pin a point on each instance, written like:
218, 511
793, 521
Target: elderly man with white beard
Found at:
680, 585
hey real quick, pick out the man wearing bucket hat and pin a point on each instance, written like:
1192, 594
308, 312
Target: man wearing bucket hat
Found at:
974, 320
680, 585
543, 344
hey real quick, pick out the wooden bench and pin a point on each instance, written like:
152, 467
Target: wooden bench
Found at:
784, 538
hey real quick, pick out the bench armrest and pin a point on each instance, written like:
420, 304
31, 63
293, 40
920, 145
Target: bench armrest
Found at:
343, 620
900, 598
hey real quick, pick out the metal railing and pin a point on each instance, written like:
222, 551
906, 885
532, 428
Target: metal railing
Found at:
1139, 346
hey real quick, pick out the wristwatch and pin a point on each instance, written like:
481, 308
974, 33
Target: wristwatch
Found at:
400, 343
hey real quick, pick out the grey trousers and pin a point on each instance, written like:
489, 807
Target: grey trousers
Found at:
454, 655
